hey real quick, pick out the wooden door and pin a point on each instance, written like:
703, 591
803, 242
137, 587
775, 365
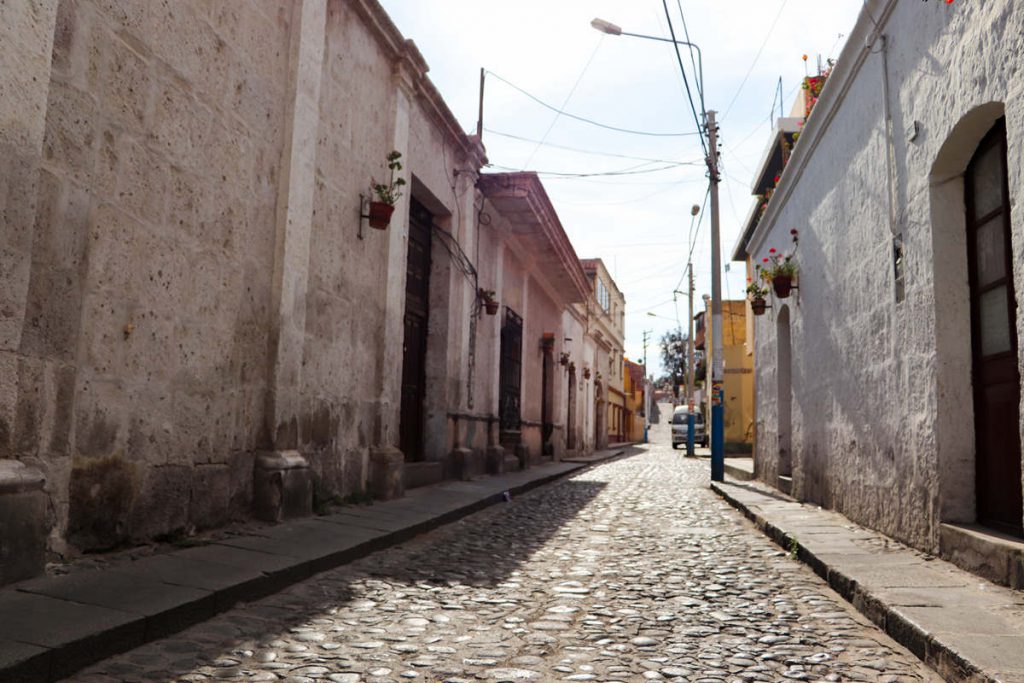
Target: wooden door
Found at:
570, 412
510, 371
996, 380
414, 350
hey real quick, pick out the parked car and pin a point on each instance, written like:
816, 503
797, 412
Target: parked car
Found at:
680, 426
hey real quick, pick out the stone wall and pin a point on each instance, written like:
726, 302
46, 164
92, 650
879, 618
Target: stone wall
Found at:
142, 356
882, 425
187, 281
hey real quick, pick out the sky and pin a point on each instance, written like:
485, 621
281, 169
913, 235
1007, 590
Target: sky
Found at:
638, 220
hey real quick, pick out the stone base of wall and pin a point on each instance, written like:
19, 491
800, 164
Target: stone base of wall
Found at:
387, 473
993, 555
282, 486
467, 463
22, 522
495, 457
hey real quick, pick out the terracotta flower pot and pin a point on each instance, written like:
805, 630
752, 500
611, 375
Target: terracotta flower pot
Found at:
758, 305
782, 284
491, 307
380, 215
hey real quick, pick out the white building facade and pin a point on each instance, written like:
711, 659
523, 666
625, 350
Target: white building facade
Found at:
888, 384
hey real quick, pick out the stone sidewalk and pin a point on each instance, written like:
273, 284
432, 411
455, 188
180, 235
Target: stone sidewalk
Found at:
51, 627
963, 626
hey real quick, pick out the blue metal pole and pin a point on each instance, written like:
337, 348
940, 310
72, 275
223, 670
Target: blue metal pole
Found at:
691, 423
718, 438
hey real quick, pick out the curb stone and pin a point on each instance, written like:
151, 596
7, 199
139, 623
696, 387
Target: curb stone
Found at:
251, 567
943, 657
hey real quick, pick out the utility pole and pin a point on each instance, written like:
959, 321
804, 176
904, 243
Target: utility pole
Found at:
717, 393
647, 417
690, 419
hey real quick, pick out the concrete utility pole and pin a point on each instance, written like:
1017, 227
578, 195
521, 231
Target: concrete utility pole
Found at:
691, 419
717, 394
647, 415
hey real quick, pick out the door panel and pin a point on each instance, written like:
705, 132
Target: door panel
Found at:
995, 376
510, 370
414, 350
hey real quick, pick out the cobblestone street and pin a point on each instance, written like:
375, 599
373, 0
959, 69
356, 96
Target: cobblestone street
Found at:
630, 571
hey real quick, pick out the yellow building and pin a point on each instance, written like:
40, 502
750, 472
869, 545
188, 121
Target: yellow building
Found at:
633, 388
738, 384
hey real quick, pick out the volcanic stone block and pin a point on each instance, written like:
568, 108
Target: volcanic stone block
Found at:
495, 460
22, 522
386, 472
283, 486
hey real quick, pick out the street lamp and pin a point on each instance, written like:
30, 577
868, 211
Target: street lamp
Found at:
717, 367
616, 30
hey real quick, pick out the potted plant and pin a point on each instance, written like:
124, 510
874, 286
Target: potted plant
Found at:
781, 269
490, 303
586, 373
386, 194
756, 292
563, 358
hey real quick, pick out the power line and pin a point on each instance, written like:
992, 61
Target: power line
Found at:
590, 151
686, 82
633, 170
756, 57
686, 32
586, 120
627, 201
567, 98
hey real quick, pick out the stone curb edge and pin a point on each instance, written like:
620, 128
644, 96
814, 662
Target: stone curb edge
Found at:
64, 660
946, 661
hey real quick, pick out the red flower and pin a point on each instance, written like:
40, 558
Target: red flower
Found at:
777, 179
793, 231
766, 259
772, 250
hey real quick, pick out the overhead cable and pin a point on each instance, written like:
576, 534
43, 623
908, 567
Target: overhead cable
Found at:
700, 75
499, 133
756, 58
568, 97
586, 120
634, 170
686, 82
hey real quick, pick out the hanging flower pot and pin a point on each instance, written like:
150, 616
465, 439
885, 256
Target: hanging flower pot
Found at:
380, 215
387, 194
487, 299
782, 284
758, 305
781, 269
563, 358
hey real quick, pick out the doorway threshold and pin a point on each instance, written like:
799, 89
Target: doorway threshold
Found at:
986, 552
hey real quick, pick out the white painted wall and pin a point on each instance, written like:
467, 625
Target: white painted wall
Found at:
881, 411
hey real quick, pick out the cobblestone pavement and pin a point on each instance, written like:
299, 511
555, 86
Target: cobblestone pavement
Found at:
630, 571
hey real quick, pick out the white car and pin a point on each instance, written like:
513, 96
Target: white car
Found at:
679, 428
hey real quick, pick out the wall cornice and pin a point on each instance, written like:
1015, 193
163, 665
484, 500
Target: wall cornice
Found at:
410, 69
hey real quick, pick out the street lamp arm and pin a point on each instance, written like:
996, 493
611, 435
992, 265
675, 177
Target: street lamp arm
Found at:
615, 30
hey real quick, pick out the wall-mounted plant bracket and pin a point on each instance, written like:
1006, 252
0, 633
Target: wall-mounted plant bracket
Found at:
364, 213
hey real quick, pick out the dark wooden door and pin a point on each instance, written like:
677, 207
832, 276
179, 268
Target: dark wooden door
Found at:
510, 372
414, 351
996, 380
570, 412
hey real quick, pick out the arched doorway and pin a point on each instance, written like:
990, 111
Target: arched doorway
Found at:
993, 306
784, 388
